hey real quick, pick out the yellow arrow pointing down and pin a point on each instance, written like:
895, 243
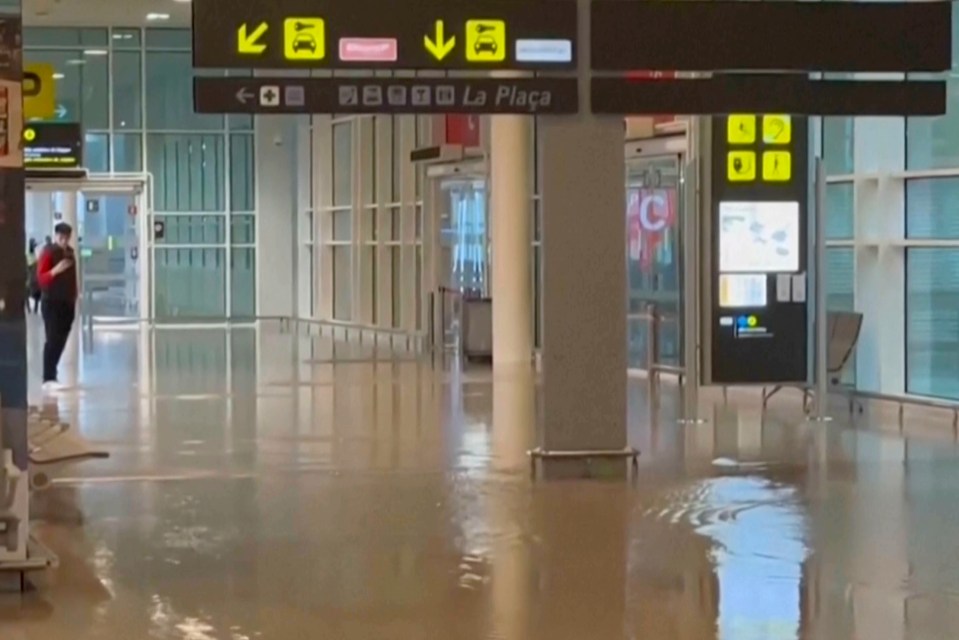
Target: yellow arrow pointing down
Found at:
249, 42
438, 46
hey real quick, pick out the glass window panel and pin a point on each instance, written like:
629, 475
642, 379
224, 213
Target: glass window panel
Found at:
395, 224
368, 167
169, 38
342, 283
369, 254
96, 154
51, 37
343, 164
169, 76
837, 142
418, 287
840, 275
242, 173
932, 316
342, 225
240, 122
396, 271
188, 229
397, 158
243, 282
127, 90
242, 229
127, 152
933, 143
82, 90
932, 208
187, 170
190, 283
126, 38
839, 211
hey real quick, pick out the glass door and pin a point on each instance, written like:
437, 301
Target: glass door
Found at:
108, 239
462, 261
653, 219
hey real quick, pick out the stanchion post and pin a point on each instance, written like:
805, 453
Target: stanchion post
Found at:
819, 260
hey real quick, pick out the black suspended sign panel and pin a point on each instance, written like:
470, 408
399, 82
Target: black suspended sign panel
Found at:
52, 145
706, 35
786, 93
531, 96
359, 34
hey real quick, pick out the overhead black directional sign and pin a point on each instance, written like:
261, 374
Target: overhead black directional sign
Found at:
783, 93
439, 34
531, 96
706, 35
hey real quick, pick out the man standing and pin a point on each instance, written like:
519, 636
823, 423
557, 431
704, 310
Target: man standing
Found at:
57, 273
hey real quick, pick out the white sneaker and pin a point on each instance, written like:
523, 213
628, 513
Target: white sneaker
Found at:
52, 386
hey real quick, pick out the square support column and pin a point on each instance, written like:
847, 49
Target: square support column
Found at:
582, 188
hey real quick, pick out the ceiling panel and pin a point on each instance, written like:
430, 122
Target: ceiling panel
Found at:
99, 13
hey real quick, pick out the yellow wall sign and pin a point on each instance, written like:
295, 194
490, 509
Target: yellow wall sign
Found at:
304, 38
741, 166
39, 92
777, 129
485, 40
777, 166
741, 129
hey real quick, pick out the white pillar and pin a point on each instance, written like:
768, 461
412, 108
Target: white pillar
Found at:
275, 143
511, 239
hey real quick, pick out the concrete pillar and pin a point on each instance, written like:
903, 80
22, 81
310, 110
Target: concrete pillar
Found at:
275, 142
582, 183
14, 517
511, 240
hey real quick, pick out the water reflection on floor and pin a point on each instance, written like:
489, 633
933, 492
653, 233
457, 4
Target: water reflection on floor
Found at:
264, 487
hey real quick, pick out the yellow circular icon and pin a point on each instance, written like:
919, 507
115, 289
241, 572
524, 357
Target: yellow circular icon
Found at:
752, 321
29, 134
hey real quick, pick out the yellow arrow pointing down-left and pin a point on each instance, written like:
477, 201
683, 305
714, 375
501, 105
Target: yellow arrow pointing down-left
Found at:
249, 42
438, 46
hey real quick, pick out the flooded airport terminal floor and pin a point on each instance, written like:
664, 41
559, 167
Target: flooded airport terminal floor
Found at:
268, 486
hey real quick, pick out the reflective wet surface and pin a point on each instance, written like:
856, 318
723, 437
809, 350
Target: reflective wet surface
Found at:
263, 486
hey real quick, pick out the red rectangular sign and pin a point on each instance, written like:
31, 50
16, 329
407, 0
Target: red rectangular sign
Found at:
368, 49
463, 129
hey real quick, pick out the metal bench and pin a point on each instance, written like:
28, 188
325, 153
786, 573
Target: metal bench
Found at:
842, 335
54, 446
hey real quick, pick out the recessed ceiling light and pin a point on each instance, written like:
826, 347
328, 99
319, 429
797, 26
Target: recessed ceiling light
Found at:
157, 16
94, 52
58, 76
76, 61
122, 36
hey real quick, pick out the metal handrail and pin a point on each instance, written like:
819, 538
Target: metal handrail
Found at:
917, 401
345, 324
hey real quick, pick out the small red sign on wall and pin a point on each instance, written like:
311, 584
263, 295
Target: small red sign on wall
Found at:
463, 129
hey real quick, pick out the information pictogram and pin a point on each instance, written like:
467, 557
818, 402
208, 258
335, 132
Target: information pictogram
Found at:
777, 129
304, 38
741, 129
485, 40
777, 166
251, 42
741, 166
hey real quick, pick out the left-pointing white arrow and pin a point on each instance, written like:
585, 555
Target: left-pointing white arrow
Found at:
244, 94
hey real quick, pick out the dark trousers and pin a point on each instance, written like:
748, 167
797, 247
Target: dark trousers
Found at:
58, 318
